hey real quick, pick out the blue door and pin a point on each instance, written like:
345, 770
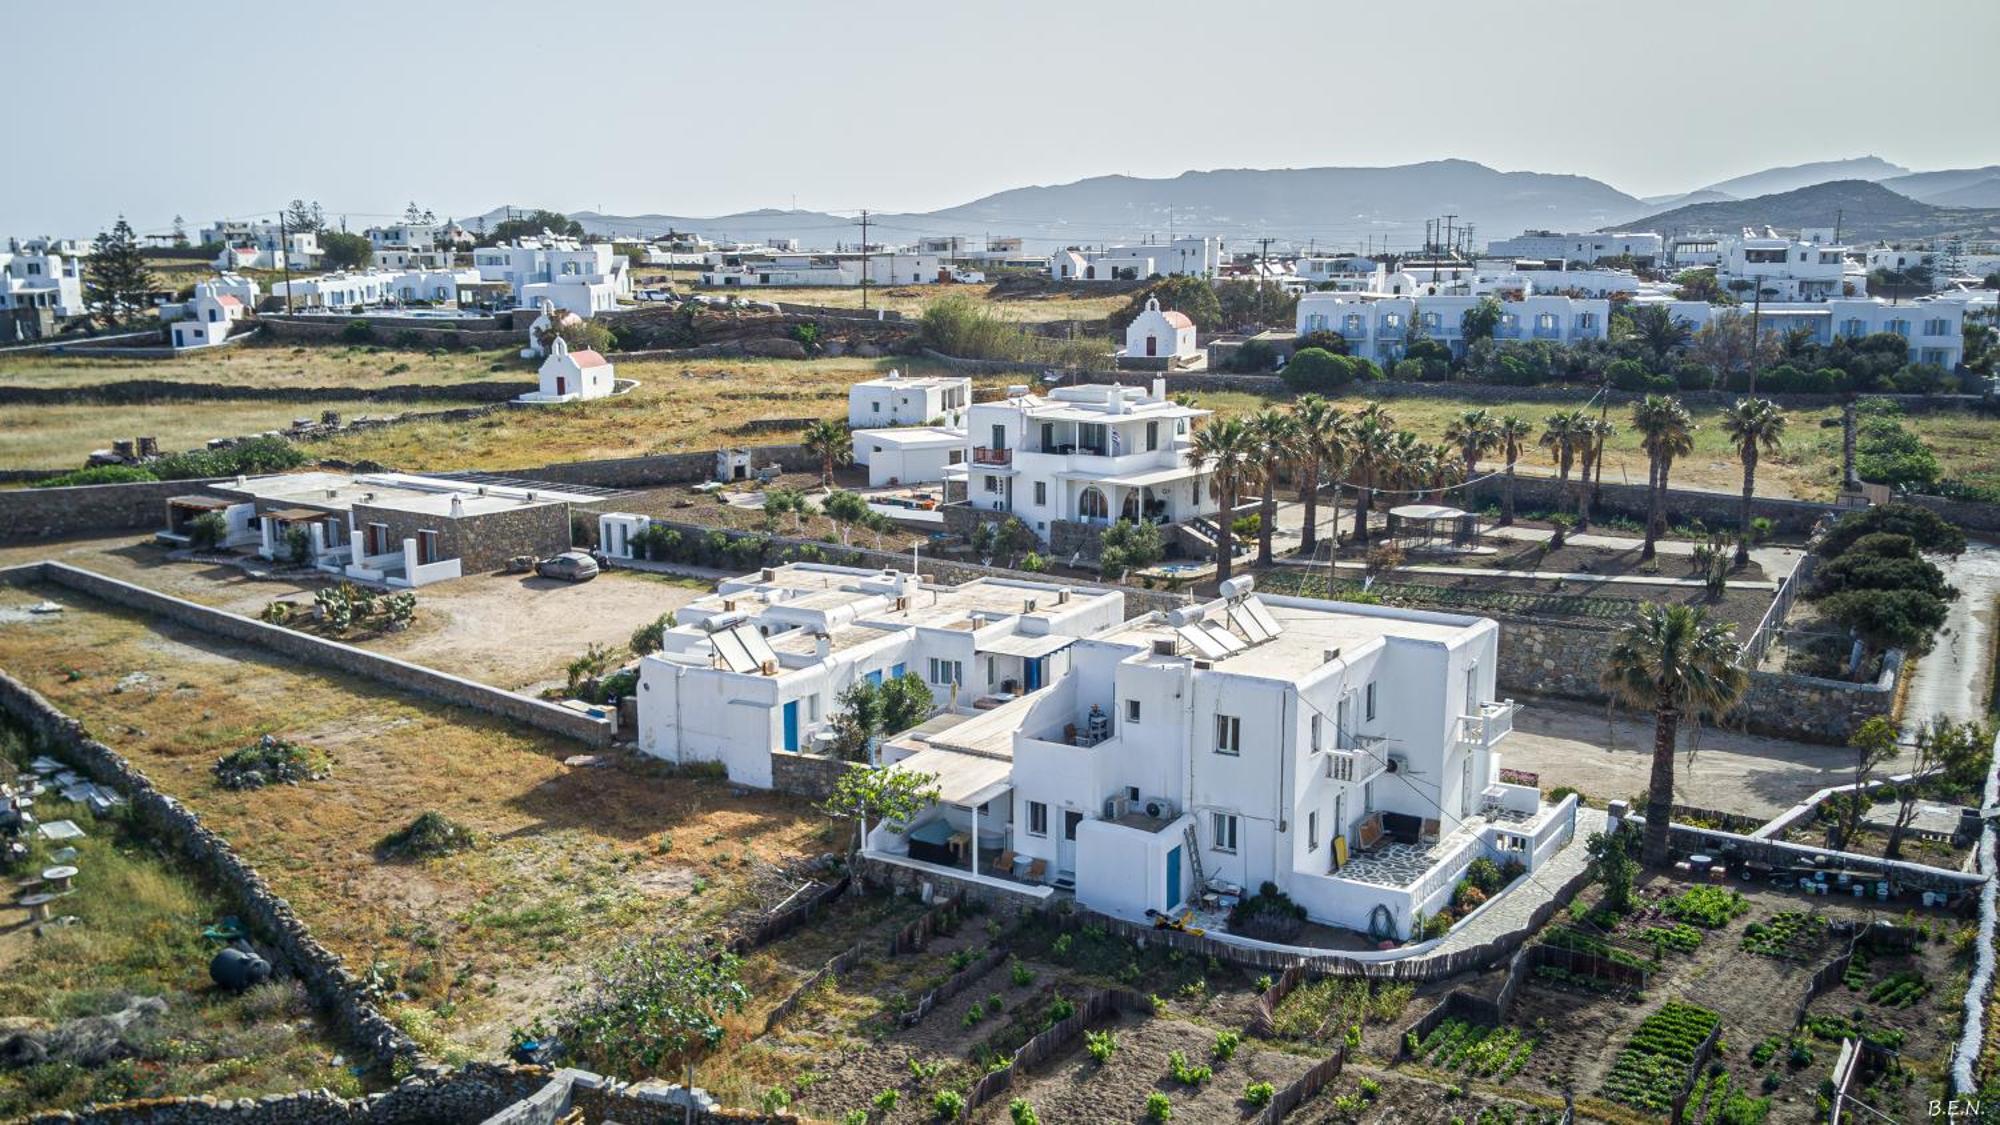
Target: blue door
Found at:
792, 725
896, 673
875, 677
1173, 878
1034, 672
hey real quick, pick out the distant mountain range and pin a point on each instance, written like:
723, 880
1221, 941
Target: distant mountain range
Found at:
1864, 211
1342, 209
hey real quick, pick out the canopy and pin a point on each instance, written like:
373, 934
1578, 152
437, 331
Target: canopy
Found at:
1426, 512
962, 779
1022, 645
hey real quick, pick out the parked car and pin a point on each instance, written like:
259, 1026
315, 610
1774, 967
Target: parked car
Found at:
570, 566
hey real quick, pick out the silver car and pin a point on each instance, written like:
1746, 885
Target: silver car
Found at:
570, 566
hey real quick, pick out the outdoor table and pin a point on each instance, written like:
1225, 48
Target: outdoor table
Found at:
38, 906
1700, 862
59, 877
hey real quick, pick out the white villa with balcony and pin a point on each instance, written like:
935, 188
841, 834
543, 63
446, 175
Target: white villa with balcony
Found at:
1380, 328
1349, 754
1788, 269
1090, 454
896, 400
1933, 326
756, 670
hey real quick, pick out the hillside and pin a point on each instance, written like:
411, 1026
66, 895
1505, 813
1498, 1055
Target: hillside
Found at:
1945, 187
1777, 180
1865, 212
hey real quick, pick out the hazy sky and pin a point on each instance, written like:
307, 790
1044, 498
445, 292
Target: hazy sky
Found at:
706, 108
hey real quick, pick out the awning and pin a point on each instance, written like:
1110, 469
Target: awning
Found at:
962, 779
1029, 647
295, 515
204, 503
1425, 512
1157, 476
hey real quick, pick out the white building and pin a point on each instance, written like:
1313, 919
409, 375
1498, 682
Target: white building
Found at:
756, 670
551, 319
1642, 247
731, 269
1160, 338
236, 285
584, 277
209, 317
1380, 328
1349, 273
409, 246
929, 400
908, 454
342, 290
260, 250
572, 376
34, 279
1788, 269
1349, 754
1090, 454
1182, 257
1932, 325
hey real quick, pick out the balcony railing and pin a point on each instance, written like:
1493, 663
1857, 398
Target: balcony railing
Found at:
1494, 722
982, 455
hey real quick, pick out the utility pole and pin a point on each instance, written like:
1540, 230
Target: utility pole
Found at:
1756, 317
864, 259
1448, 236
285, 259
1263, 260
1839, 213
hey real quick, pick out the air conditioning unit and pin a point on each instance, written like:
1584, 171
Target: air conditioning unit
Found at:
1164, 646
1398, 763
1158, 808
1115, 807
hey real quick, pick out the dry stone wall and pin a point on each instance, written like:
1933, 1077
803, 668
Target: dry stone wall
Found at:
88, 509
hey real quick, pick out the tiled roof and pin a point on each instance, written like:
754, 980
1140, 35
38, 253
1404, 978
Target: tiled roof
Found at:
588, 357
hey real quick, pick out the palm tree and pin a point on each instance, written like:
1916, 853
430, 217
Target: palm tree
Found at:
1474, 433
1277, 436
1562, 435
1601, 431
1676, 661
1753, 424
1322, 449
1666, 431
1369, 456
1512, 432
1590, 465
1659, 330
1231, 453
832, 444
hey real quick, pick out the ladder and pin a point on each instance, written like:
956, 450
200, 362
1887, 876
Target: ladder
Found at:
1194, 859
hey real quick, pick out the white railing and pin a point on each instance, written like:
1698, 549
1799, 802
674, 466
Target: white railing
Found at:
1494, 722
1557, 831
1780, 609
1446, 871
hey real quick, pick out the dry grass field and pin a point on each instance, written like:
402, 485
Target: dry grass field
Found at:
1030, 307
265, 364
570, 859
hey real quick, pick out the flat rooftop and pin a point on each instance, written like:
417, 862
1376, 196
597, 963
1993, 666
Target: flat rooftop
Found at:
401, 491
1306, 633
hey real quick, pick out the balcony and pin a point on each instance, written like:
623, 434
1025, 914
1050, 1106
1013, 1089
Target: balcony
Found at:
983, 455
1484, 730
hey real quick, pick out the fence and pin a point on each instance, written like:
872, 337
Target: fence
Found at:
1972, 1034
911, 938
1311, 1082
958, 982
1874, 938
1051, 1042
906, 940
1700, 1060
1780, 608
1264, 1018
1584, 964
1457, 1004
788, 916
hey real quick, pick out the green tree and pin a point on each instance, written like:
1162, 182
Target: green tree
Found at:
1480, 321
1371, 461
1950, 755
1248, 303
780, 501
649, 637
1666, 431
1513, 432
1323, 339
1658, 330
1474, 433
1754, 426
1564, 434
832, 444
1192, 297
1612, 865
1886, 619
1700, 285
304, 218
1683, 666
1230, 453
651, 1006
532, 225
1931, 533
1128, 545
115, 279
1873, 743
846, 509
886, 793
346, 251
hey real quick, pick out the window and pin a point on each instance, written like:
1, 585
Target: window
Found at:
992, 483
1899, 327
1131, 710
1368, 703
427, 547
812, 708
1228, 734
1092, 505
1041, 493
946, 672
992, 671
1038, 818
1937, 327
1153, 428
875, 407
1312, 831
1315, 732
1224, 826
1368, 796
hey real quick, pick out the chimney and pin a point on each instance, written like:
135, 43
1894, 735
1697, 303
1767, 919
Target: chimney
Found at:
822, 646
1160, 390
457, 505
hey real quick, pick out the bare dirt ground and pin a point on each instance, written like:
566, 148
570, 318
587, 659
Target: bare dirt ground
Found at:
1611, 758
507, 630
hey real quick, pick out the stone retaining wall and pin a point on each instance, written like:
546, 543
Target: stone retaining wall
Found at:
167, 390
89, 509
1715, 509
804, 775
178, 827
662, 468
329, 330
332, 655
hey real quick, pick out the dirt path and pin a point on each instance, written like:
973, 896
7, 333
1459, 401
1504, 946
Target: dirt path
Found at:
1956, 677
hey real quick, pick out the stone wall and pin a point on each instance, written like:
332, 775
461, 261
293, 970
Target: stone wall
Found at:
482, 542
332, 655
901, 879
179, 828
1715, 509
468, 320
804, 775
167, 390
1970, 515
329, 330
662, 468
89, 509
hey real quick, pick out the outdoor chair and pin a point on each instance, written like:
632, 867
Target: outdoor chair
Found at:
1003, 864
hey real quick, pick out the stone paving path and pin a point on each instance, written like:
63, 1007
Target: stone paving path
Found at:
1955, 678
1519, 902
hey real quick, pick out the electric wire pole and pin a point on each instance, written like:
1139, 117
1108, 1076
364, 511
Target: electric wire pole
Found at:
285, 259
864, 259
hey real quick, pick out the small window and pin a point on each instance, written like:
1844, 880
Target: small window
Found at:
1315, 732
1228, 734
812, 708
1131, 710
1312, 831
427, 547
1041, 493
1224, 826
1368, 703
1038, 818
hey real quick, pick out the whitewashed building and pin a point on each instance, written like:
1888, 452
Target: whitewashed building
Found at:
209, 316
894, 400
755, 671
735, 269
584, 277
1642, 247
1181, 257
1090, 454
908, 454
1160, 338
572, 376
1788, 269
1933, 326
1349, 754
34, 279
550, 319
409, 246
1380, 328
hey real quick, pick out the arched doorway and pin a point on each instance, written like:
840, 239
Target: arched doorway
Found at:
1091, 505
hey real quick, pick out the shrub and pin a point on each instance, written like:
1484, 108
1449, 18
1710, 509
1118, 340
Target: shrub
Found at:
357, 332
1226, 1043
1259, 1094
1020, 974
948, 1104
1101, 1045
1484, 874
98, 474
1159, 1107
207, 530
1023, 1112
1186, 1075
431, 834
1253, 356
887, 1099
775, 1100
1269, 915
268, 761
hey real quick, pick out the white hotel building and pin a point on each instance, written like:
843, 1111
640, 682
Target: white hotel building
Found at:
1181, 257
1379, 328
1091, 454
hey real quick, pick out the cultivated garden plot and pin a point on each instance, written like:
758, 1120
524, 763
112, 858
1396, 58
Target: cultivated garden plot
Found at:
1907, 1003
1361, 1096
462, 946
